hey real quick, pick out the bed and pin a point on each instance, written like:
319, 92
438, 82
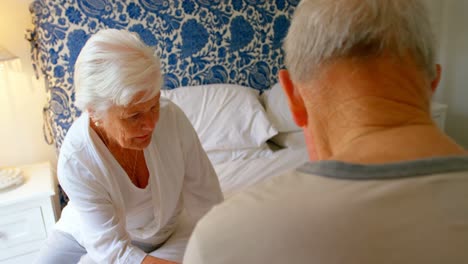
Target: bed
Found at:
220, 60
247, 137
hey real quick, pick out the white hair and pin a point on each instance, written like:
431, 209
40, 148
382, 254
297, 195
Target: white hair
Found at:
112, 67
324, 30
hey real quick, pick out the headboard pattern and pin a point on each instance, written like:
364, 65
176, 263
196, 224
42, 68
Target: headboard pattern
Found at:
199, 42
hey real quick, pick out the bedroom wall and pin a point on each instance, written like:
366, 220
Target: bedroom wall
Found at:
453, 56
22, 96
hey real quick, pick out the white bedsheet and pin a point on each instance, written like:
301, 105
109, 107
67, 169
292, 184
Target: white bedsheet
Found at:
237, 175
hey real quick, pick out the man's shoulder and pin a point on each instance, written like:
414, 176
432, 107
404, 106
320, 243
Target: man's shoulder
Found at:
281, 202
257, 203
267, 211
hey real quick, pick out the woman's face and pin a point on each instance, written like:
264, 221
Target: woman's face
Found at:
132, 126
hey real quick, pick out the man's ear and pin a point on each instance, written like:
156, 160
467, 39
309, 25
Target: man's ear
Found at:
436, 81
295, 101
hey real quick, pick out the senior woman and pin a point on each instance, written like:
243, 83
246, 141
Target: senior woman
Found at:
132, 165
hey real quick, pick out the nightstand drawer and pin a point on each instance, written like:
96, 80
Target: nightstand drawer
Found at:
27, 215
20, 227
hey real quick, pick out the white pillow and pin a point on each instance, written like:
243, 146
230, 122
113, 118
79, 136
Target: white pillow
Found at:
225, 116
292, 140
221, 156
277, 109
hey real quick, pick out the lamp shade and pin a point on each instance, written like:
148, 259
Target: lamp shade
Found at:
5, 55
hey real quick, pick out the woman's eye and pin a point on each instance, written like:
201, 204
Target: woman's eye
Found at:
134, 117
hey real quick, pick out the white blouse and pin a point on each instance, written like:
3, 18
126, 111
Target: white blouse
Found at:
98, 213
139, 210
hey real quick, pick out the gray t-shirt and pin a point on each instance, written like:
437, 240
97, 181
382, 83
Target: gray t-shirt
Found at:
334, 212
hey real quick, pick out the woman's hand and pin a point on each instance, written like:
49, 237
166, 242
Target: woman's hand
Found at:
152, 260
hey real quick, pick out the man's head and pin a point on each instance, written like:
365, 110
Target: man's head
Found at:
345, 57
323, 30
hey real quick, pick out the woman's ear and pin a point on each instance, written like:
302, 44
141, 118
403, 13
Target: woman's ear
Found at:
92, 116
436, 81
295, 101
91, 113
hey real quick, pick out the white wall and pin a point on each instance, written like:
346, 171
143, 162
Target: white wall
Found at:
21, 95
453, 56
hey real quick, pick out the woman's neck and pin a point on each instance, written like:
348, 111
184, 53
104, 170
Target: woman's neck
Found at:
132, 161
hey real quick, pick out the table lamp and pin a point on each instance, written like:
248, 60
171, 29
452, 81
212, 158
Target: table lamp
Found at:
5, 55
9, 176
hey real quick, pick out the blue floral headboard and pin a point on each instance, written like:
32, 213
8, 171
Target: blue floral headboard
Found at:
199, 42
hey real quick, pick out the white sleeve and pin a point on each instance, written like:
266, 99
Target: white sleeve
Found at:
105, 237
173, 249
201, 189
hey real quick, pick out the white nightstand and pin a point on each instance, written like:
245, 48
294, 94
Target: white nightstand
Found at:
439, 112
27, 215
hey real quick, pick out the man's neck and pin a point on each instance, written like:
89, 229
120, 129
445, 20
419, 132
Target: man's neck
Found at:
373, 113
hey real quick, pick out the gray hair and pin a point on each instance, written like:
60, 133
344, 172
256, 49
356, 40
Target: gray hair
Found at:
112, 68
324, 30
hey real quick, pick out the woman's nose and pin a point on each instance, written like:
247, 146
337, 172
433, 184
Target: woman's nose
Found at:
149, 122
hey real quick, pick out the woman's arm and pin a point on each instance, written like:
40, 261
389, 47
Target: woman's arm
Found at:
200, 186
201, 189
104, 234
153, 260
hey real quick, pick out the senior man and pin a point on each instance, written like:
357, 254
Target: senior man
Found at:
384, 184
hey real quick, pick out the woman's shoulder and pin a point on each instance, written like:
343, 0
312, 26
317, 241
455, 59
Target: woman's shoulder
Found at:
169, 108
77, 137
170, 112
173, 124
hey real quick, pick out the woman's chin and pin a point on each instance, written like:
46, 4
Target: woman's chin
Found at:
141, 142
